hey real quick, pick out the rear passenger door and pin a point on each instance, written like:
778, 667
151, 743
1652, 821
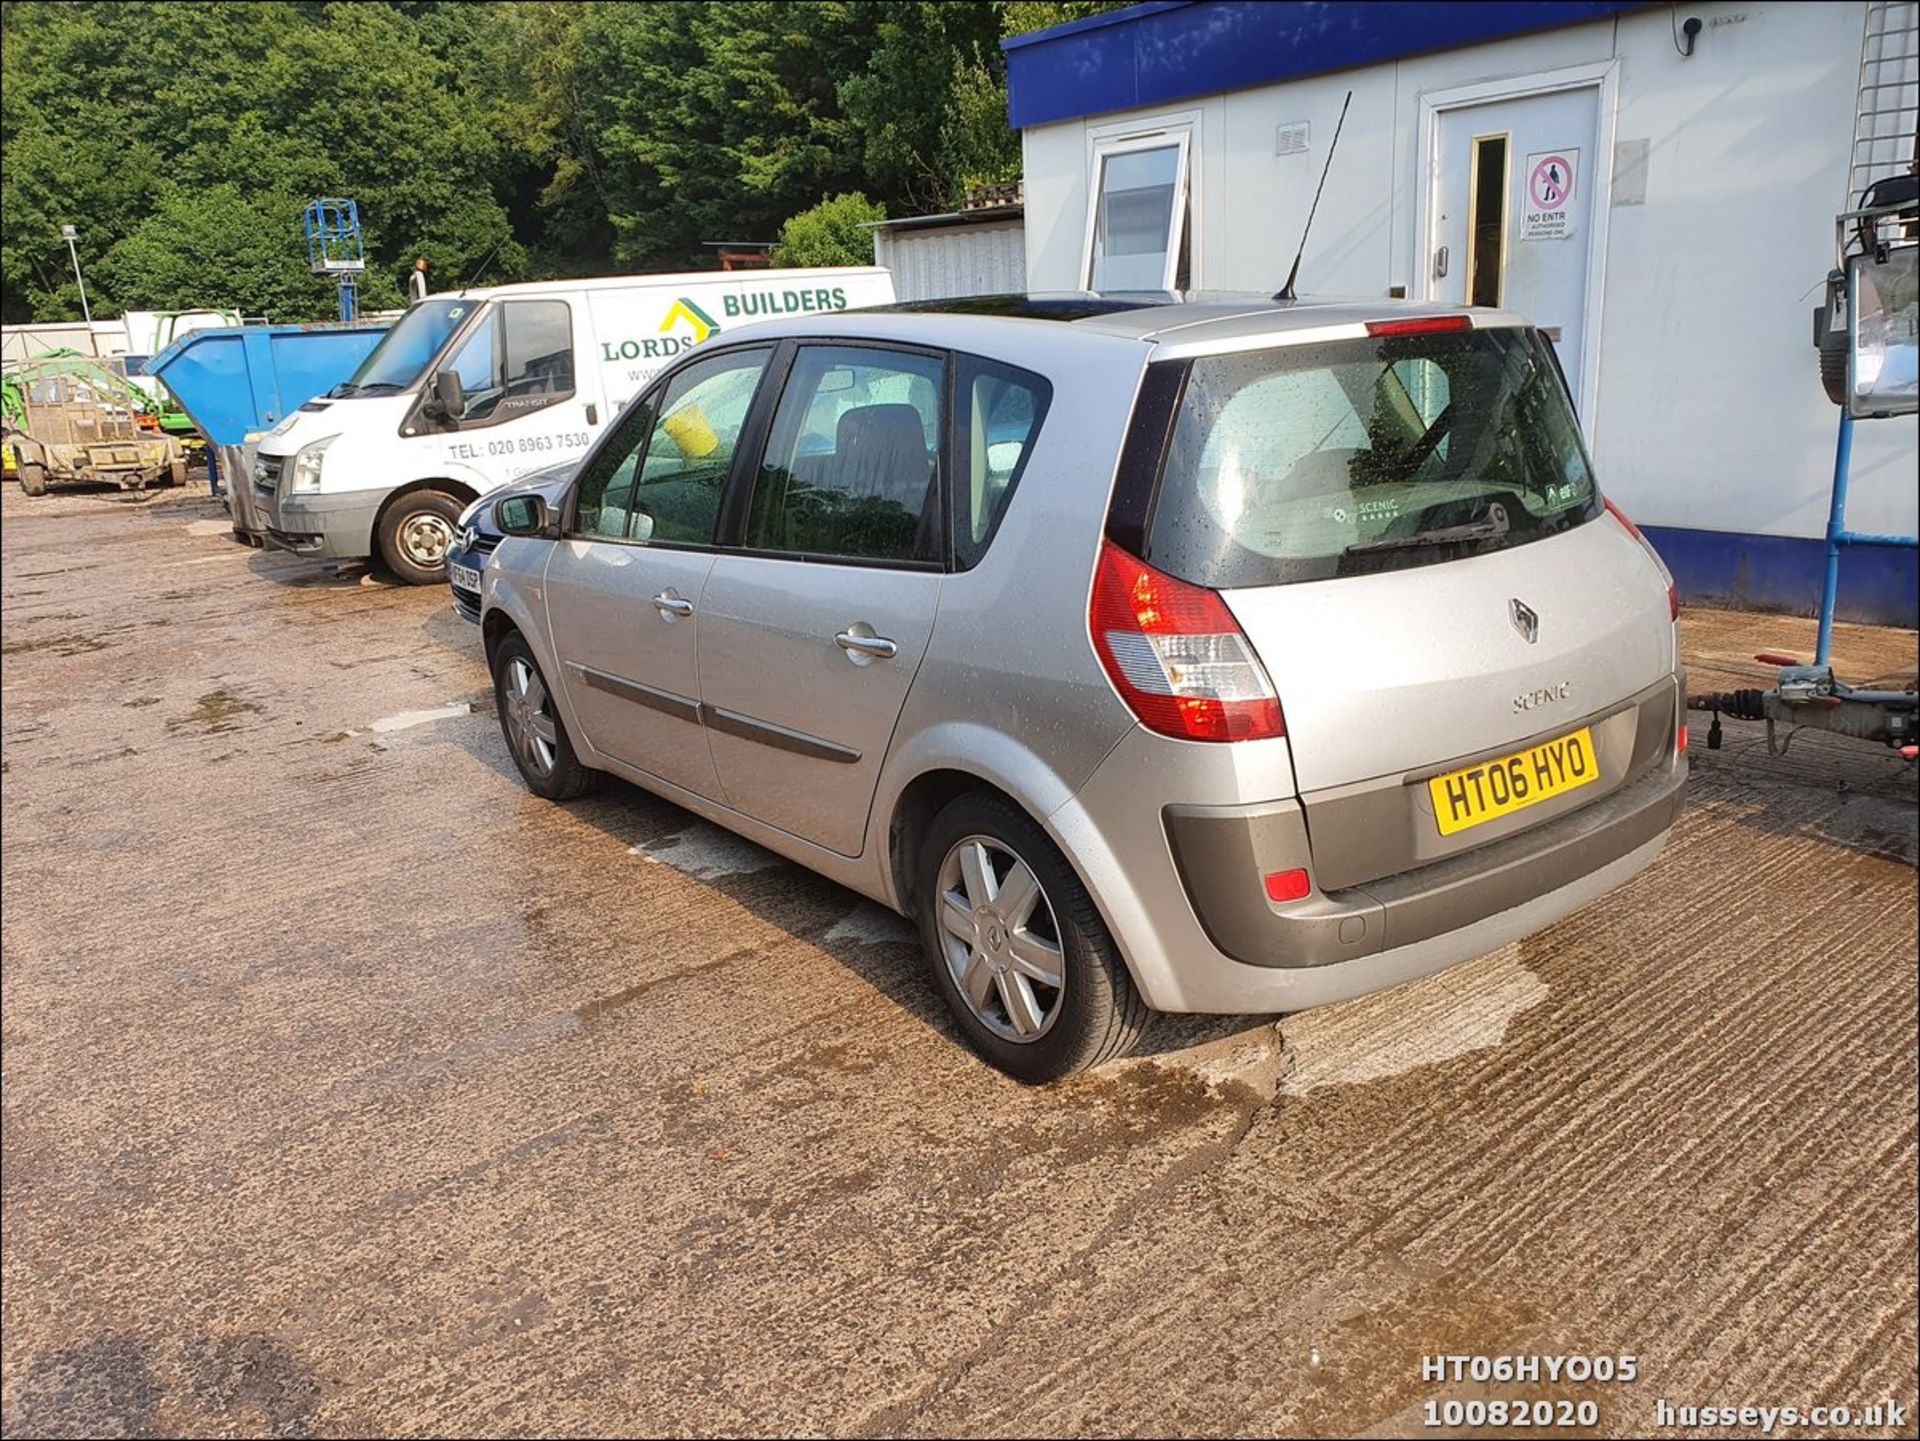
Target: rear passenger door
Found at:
811, 629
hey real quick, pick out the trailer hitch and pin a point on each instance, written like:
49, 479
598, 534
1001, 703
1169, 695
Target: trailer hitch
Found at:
1810, 696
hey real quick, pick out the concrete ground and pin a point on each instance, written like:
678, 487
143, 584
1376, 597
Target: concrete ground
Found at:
350, 1089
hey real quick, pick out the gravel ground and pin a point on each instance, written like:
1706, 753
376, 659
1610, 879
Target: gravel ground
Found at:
350, 1089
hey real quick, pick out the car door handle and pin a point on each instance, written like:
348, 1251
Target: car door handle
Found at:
857, 646
672, 606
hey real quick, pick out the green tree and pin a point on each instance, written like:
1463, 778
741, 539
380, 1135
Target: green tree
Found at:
834, 232
514, 136
930, 64
715, 122
117, 114
219, 247
931, 104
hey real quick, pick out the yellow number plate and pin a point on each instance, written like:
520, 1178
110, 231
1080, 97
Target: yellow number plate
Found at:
1496, 788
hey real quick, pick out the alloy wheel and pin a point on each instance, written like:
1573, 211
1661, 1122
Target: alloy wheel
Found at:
531, 727
1000, 939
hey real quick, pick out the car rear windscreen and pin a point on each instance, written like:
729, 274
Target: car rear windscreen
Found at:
1352, 457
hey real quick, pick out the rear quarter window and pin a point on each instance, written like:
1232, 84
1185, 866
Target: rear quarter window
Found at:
999, 412
1356, 456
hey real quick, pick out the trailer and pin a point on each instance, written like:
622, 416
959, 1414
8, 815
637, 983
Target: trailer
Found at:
72, 419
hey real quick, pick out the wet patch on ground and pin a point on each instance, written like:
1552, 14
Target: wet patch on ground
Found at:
215, 713
58, 645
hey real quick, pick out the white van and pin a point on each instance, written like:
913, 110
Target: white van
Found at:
473, 389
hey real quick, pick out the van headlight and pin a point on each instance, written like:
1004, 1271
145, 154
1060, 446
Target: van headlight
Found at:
306, 464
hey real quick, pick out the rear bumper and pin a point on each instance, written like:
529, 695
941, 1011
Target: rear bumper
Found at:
1252, 990
1172, 843
1221, 852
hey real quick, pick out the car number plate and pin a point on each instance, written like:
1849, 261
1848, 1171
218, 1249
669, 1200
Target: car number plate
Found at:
464, 576
1477, 794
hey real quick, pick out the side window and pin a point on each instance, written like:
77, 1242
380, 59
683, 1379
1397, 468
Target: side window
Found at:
661, 477
1000, 410
477, 363
520, 360
851, 460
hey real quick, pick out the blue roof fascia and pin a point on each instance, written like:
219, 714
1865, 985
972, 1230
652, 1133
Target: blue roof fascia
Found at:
1176, 49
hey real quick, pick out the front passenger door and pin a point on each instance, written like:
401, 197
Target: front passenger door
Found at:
810, 633
624, 582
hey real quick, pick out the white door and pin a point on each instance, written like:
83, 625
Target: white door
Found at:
526, 397
1512, 207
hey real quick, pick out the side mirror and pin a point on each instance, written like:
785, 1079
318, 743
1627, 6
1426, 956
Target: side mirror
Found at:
521, 514
449, 396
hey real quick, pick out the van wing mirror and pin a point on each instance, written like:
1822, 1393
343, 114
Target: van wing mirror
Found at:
449, 395
521, 515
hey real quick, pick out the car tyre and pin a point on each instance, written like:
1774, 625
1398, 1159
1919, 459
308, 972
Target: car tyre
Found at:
990, 942
415, 531
536, 736
33, 478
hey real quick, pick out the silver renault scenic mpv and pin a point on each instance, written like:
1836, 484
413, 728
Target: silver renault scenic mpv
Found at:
1228, 655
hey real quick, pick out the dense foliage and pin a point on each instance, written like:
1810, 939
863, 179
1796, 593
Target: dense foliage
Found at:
510, 137
834, 232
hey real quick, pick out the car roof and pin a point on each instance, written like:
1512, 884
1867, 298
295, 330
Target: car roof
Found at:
1193, 319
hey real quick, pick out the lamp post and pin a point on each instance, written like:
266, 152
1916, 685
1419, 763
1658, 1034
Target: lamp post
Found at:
69, 233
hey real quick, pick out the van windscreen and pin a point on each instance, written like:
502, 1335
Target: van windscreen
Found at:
1351, 457
405, 351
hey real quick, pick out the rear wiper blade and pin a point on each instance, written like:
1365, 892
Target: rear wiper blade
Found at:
1496, 524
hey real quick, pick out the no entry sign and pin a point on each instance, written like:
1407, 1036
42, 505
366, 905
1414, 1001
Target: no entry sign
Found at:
1553, 178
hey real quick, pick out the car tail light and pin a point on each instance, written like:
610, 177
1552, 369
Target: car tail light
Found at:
1680, 742
1673, 592
1177, 656
1419, 325
1288, 885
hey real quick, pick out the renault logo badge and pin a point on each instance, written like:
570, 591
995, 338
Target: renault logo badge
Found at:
1524, 620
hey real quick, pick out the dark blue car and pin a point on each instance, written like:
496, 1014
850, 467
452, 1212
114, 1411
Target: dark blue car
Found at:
475, 536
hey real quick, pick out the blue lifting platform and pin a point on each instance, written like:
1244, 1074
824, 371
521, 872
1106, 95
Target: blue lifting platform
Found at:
335, 248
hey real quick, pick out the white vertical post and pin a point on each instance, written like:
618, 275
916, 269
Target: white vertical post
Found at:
68, 233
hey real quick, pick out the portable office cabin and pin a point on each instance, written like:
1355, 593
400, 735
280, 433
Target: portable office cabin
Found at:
1668, 216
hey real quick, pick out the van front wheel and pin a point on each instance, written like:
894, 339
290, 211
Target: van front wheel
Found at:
415, 533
